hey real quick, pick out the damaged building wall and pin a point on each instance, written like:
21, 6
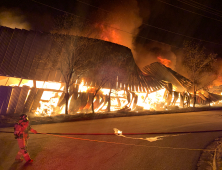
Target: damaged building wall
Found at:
19, 57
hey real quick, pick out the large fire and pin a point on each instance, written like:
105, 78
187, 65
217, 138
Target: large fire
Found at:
125, 98
53, 92
118, 99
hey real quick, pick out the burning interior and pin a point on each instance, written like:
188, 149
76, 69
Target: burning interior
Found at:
26, 85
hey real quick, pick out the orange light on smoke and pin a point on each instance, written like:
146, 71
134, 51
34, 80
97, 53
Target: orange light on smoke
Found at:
108, 33
217, 82
164, 61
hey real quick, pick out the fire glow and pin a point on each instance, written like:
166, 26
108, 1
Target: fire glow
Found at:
164, 61
124, 99
108, 33
118, 99
53, 93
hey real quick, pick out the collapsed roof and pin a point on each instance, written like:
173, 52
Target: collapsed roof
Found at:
20, 50
181, 83
161, 72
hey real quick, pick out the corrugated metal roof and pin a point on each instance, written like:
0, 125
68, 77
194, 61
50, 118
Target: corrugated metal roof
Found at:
20, 51
161, 72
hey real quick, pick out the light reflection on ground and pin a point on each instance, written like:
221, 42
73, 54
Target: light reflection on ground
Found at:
150, 139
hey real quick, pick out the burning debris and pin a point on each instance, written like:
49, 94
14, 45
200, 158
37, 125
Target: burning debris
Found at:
48, 99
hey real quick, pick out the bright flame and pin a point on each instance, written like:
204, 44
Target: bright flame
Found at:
49, 99
82, 88
133, 99
48, 103
151, 101
109, 33
163, 61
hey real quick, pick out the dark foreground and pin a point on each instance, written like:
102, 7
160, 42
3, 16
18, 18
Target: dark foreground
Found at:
112, 152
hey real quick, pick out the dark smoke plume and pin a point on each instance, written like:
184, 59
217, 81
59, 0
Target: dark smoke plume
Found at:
13, 18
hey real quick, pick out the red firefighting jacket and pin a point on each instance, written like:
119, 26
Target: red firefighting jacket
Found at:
21, 129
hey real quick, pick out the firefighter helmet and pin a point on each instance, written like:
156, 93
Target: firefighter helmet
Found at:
23, 117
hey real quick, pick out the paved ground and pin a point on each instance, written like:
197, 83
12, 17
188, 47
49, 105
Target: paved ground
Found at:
10, 120
104, 152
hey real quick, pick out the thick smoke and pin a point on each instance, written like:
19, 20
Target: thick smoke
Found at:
146, 54
205, 79
116, 21
125, 17
13, 18
218, 81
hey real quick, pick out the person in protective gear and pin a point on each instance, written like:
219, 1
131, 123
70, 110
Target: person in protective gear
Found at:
21, 130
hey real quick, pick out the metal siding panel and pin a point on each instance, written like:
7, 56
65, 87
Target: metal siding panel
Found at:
30, 99
14, 99
5, 93
37, 99
41, 70
1, 31
29, 58
6, 101
9, 54
21, 100
24, 55
3, 40
2, 95
45, 75
4, 49
21, 37
37, 49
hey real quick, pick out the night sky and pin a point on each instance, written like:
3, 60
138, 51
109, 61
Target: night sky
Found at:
150, 28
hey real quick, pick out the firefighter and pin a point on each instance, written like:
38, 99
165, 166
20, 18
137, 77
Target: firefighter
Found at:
21, 130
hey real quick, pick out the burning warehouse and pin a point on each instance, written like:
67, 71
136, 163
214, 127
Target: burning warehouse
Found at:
42, 73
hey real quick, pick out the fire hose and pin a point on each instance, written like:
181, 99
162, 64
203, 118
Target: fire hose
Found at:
116, 132
119, 133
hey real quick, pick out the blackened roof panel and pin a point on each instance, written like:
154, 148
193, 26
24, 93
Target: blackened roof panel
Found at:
21, 38
33, 48
5, 42
21, 71
37, 49
41, 56
9, 53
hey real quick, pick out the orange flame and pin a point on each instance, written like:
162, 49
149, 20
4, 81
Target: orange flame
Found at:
164, 61
108, 33
218, 81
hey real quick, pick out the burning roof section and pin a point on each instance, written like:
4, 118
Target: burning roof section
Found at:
161, 72
20, 50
